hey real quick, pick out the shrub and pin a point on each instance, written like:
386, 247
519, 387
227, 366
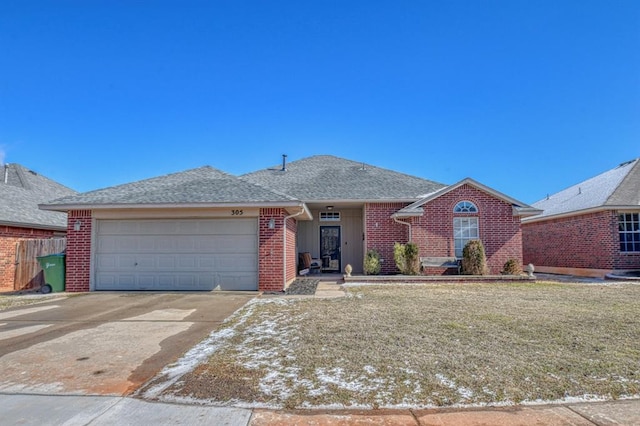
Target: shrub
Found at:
372, 263
406, 258
399, 258
474, 260
512, 267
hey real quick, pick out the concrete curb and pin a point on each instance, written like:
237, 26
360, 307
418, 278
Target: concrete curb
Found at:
28, 409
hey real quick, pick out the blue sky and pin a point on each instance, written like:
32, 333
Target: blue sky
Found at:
527, 97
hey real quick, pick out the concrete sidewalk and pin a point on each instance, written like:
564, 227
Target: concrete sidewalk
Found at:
108, 410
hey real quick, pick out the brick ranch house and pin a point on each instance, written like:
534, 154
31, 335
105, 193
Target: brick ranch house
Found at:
204, 229
21, 190
589, 229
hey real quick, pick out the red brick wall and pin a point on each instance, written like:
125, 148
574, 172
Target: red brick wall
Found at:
292, 226
9, 237
78, 260
433, 232
499, 229
381, 232
270, 250
587, 241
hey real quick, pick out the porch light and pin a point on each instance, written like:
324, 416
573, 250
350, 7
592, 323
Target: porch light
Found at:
329, 207
272, 223
77, 225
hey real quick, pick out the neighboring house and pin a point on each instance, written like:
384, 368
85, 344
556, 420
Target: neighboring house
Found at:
589, 229
204, 229
21, 190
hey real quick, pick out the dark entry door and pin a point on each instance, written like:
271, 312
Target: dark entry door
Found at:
330, 248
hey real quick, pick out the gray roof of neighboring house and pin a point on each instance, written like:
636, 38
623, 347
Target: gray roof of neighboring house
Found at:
616, 188
204, 185
329, 178
21, 190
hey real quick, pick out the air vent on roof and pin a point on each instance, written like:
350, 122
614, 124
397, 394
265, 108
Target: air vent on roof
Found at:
626, 163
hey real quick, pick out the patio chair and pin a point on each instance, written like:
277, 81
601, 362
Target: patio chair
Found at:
305, 262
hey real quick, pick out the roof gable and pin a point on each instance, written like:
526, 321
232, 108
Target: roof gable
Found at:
21, 190
519, 208
618, 187
204, 185
330, 178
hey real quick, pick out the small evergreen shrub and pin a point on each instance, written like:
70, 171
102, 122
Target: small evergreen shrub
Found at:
399, 258
474, 260
406, 258
411, 256
512, 267
372, 263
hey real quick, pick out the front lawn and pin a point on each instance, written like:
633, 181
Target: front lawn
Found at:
426, 345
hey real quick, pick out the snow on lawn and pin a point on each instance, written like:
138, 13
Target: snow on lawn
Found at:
441, 347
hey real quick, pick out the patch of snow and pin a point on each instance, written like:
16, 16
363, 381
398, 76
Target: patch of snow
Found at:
370, 369
465, 393
201, 352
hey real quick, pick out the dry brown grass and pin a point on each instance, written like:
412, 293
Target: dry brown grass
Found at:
14, 301
428, 345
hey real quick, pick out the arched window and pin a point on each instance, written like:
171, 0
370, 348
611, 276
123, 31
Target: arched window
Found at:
465, 228
465, 207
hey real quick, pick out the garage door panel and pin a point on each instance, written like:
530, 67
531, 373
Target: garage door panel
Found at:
236, 281
189, 262
107, 262
237, 263
189, 254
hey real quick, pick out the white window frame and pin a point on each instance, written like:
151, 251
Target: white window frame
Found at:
465, 229
629, 232
465, 207
330, 216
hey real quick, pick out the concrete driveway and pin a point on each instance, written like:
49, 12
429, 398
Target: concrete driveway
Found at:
104, 343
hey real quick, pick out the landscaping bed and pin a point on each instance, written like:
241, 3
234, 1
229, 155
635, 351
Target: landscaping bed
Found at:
424, 346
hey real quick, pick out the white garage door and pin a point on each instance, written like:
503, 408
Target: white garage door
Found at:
189, 254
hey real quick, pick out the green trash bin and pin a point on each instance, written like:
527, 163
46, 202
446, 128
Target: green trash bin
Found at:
53, 267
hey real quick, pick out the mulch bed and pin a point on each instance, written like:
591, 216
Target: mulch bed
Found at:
303, 287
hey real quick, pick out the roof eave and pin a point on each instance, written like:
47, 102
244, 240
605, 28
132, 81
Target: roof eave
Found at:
539, 218
442, 191
33, 225
359, 200
288, 205
526, 212
400, 214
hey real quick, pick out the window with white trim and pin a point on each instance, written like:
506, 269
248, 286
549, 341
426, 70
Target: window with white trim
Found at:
465, 207
329, 216
465, 229
629, 232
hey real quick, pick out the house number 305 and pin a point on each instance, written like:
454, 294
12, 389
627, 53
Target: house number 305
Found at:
237, 212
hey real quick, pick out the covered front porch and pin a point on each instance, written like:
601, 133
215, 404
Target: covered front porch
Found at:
333, 239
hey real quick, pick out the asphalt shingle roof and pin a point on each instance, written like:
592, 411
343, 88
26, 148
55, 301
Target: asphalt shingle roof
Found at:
325, 177
201, 185
20, 195
614, 188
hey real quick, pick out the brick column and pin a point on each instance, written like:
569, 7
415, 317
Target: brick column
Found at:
78, 260
271, 250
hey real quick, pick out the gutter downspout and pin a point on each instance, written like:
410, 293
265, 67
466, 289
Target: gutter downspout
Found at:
395, 219
284, 251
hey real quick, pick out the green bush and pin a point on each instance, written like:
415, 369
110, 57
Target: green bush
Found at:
372, 263
512, 267
474, 260
399, 258
406, 258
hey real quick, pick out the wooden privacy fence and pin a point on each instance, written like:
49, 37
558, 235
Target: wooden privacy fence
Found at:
28, 271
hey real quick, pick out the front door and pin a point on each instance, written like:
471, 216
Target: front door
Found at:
330, 248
